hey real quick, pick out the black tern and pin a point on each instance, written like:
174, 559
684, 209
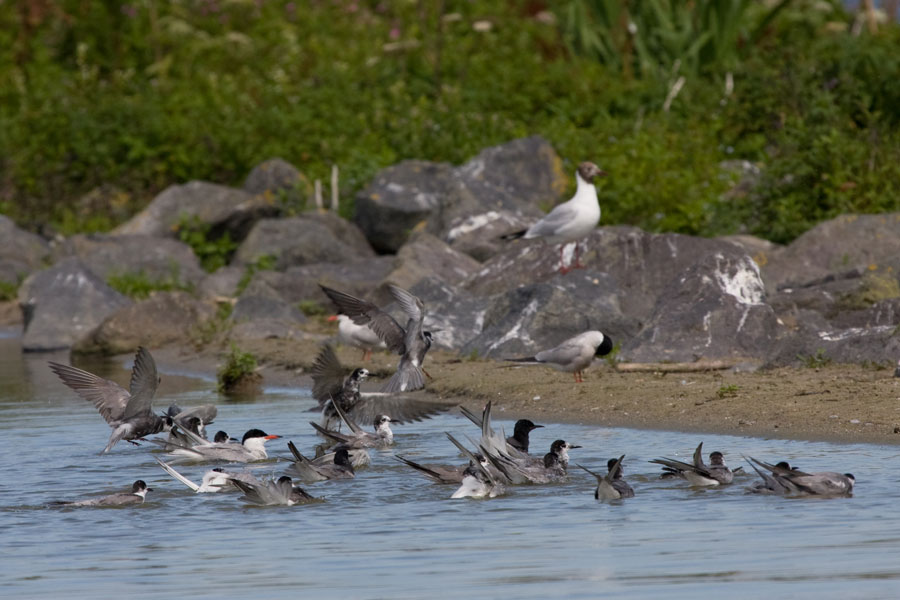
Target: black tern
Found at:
282, 492
530, 469
357, 438
611, 486
698, 473
826, 483
410, 342
443, 474
519, 440
334, 382
573, 355
310, 471
480, 479
127, 411
572, 220
138, 492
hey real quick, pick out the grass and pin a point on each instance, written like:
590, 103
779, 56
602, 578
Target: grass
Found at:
8, 291
815, 361
728, 391
139, 285
238, 367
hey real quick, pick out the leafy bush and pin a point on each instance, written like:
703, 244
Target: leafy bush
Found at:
238, 367
212, 252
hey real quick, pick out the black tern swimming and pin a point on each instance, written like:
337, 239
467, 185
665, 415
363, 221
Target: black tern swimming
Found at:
611, 486
551, 468
698, 473
282, 492
251, 448
573, 355
410, 342
519, 440
214, 480
334, 382
309, 471
480, 479
358, 336
205, 413
127, 411
826, 483
138, 492
357, 438
771, 484
572, 220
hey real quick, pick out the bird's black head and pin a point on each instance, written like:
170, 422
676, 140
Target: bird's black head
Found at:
610, 464
588, 170
605, 346
254, 433
557, 446
342, 457
551, 459
524, 426
359, 374
173, 410
783, 465
221, 437
285, 479
381, 419
193, 423
139, 486
850, 477
716, 458
429, 339
219, 470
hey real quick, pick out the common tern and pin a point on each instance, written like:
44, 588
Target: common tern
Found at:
698, 473
282, 492
332, 382
358, 336
127, 411
214, 480
825, 483
309, 471
251, 448
572, 220
573, 355
611, 486
410, 342
138, 492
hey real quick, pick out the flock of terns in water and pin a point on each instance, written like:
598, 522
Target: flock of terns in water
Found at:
496, 463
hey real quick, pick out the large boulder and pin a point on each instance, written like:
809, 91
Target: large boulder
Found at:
220, 208
297, 241
64, 303
280, 180
159, 259
714, 309
518, 178
480, 235
163, 318
21, 252
299, 284
262, 301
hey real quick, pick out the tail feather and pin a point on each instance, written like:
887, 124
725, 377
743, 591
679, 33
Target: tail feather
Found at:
408, 378
514, 235
524, 359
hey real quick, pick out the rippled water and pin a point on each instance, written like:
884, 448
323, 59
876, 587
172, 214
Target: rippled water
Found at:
392, 534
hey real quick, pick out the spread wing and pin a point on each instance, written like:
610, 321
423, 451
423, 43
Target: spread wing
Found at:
328, 375
400, 407
410, 304
364, 312
144, 380
107, 396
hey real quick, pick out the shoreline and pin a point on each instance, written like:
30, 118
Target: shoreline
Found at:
834, 403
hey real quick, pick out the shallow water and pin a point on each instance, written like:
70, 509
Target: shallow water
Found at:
390, 533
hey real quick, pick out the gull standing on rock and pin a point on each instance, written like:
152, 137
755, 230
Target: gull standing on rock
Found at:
572, 220
573, 355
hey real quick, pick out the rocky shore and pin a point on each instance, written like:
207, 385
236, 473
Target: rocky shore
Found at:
803, 338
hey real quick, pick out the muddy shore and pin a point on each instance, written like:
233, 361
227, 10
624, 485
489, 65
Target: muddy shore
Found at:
846, 403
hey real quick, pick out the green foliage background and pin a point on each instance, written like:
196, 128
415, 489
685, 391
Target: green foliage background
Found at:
143, 94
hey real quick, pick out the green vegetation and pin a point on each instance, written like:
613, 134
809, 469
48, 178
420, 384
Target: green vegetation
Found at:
8, 291
139, 285
613, 358
266, 262
311, 308
238, 367
213, 252
141, 95
728, 391
815, 361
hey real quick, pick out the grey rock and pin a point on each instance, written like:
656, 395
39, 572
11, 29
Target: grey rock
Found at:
516, 177
298, 284
715, 309
343, 230
64, 303
159, 259
479, 235
223, 282
454, 317
222, 208
21, 252
265, 329
296, 241
280, 180
162, 318
426, 256
261, 301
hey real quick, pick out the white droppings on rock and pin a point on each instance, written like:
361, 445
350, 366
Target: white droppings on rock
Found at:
472, 223
517, 330
854, 332
745, 285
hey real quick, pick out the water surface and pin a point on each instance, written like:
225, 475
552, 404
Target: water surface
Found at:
392, 534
